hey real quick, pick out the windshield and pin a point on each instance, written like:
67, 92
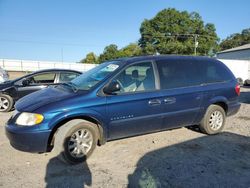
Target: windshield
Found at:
92, 77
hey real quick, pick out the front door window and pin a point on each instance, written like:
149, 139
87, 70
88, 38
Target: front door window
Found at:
137, 77
45, 78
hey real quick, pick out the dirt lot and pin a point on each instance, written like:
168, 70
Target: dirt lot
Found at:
176, 158
15, 74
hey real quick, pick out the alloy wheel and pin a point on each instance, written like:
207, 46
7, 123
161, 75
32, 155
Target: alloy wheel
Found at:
80, 143
216, 120
4, 104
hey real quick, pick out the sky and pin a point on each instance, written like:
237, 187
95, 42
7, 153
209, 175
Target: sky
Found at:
63, 30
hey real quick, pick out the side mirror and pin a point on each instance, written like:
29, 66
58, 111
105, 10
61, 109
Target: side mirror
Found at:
112, 87
25, 82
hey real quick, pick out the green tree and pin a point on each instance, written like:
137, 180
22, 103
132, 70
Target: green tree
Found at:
131, 50
110, 52
90, 58
175, 32
237, 39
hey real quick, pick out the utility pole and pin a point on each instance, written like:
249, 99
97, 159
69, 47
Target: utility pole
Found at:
196, 43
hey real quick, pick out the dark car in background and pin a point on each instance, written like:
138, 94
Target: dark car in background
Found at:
123, 98
12, 90
4, 76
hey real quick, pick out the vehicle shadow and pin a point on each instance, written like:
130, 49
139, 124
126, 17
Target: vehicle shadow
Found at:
211, 161
59, 174
245, 97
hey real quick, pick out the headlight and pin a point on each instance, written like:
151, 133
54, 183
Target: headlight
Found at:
29, 119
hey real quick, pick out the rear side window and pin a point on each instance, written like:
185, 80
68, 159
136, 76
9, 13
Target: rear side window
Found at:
67, 76
213, 72
178, 73
184, 73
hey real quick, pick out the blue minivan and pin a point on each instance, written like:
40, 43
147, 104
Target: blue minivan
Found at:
123, 98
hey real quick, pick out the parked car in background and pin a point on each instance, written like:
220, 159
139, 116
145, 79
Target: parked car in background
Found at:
4, 76
12, 90
123, 98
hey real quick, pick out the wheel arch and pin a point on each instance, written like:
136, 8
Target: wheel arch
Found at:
220, 101
223, 105
101, 131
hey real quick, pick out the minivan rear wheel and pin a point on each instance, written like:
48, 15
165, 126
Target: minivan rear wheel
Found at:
75, 141
214, 120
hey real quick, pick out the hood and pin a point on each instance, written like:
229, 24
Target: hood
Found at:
41, 98
5, 85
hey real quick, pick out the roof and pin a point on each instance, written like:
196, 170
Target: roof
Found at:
243, 47
47, 70
160, 57
56, 69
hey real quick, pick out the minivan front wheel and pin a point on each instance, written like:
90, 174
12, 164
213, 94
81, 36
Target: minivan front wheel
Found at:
75, 141
214, 120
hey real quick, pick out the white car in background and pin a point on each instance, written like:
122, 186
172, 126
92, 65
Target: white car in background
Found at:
4, 76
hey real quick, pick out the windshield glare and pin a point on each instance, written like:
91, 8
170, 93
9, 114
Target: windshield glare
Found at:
92, 77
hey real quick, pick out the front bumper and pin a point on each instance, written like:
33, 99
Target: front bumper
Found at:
23, 139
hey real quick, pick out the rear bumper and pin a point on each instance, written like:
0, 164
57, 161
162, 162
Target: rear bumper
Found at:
233, 109
34, 142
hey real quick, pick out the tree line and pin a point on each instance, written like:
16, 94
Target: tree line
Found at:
173, 32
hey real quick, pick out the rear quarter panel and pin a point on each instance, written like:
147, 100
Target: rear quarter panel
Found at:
218, 93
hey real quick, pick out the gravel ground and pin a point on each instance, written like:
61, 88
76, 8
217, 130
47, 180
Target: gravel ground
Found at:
176, 158
15, 74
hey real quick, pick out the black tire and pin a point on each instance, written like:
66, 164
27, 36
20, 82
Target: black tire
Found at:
207, 123
240, 81
247, 82
66, 133
6, 103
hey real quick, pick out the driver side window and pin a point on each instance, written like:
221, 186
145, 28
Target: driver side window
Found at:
44, 78
137, 77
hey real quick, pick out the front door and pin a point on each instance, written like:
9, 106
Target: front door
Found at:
36, 83
136, 108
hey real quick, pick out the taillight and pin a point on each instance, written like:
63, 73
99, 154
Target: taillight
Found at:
237, 89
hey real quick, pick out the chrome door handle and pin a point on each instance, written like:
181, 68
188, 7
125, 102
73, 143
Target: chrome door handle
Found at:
170, 100
154, 102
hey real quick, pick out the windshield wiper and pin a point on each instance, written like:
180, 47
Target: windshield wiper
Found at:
71, 85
